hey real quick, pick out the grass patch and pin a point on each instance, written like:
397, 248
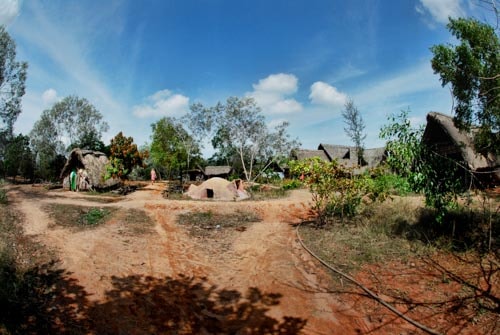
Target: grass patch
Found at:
78, 217
375, 235
93, 217
135, 221
206, 224
267, 192
131, 221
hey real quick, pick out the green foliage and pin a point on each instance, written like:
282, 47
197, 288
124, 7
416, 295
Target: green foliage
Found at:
439, 178
403, 144
124, 157
472, 68
336, 190
390, 183
74, 119
239, 132
18, 157
93, 216
291, 184
12, 85
172, 148
3, 194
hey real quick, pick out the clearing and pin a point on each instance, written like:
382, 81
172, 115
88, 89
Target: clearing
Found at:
121, 278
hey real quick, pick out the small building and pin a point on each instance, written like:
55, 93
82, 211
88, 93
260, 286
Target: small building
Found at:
344, 155
443, 137
222, 171
90, 167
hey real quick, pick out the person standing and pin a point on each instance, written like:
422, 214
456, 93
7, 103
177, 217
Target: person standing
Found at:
72, 180
153, 176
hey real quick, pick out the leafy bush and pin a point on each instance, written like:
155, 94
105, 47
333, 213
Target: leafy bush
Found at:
390, 183
335, 189
291, 184
439, 178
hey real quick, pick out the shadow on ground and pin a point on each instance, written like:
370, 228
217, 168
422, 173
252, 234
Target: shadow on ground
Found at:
47, 300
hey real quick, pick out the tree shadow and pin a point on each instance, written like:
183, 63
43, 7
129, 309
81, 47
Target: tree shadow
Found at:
41, 300
46, 300
454, 296
461, 230
148, 305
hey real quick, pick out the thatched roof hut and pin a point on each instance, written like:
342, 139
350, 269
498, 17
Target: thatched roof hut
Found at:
301, 154
447, 140
348, 155
222, 171
91, 167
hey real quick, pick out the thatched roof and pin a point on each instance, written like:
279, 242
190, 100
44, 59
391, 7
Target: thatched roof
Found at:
301, 154
93, 162
217, 170
442, 134
374, 157
345, 155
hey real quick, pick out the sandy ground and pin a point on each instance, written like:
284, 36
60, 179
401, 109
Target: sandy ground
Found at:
166, 281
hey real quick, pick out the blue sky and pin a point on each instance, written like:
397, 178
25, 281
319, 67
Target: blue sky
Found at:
138, 61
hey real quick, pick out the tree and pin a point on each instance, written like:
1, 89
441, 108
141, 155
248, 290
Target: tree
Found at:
78, 120
70, 122
172, 147
472, 68
354, 127
239, 127
438, 177
18, 157
124, 156
12, 83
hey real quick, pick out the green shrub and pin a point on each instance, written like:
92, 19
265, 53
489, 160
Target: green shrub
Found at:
291, 184
336, 190
93, 216
3, 194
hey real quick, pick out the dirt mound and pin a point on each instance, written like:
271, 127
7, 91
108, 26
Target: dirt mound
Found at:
218, 189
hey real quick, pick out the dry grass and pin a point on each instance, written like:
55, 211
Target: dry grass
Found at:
381, 233
207, 224
134, 221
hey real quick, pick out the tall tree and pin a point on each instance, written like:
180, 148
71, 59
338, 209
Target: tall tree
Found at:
78, 120
472, 68
72, 121
124, 156
172, 147
354, 127
18, 157
239, 126
12, 83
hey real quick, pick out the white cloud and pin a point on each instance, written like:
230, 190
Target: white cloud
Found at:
9, 10
49, 97
270, 94
280, 83
440, 10
163, 103
324, 94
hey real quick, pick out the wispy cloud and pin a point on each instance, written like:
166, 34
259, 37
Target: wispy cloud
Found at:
68, 48
271, 94
440, 10
9, 10
163, 103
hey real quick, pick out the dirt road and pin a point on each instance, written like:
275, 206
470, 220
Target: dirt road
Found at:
166, 281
